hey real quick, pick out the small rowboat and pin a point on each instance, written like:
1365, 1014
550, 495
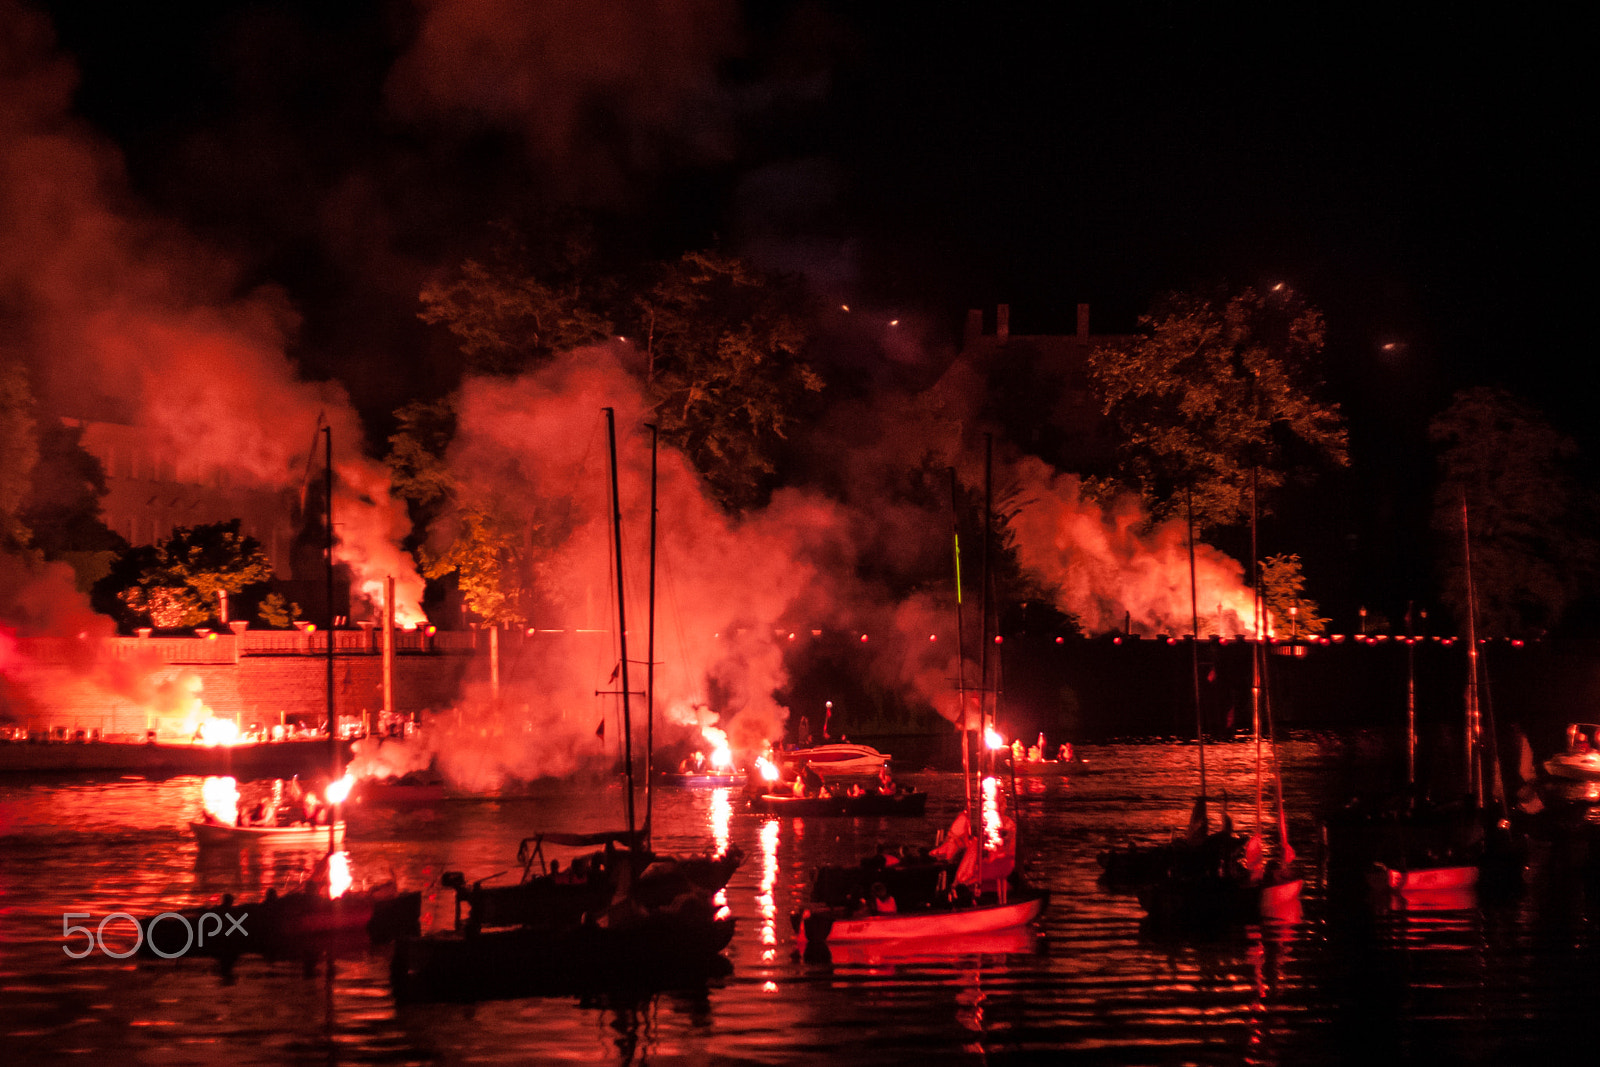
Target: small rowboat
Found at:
836, 926
1429, 879
221, 834
864, 804
686, 780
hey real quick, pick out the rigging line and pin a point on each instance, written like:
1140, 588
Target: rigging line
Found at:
311, 462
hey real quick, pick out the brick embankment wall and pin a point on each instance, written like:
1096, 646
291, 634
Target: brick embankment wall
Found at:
264, 690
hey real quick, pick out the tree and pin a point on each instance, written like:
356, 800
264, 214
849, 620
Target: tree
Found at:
277, 612
416, 458
1283, 591
63, 507
490, 560
723, 344
535, 297
1212, 389
1532, 554
176, 582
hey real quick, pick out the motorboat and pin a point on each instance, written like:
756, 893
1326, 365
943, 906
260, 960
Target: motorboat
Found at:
1580, 761
837, 760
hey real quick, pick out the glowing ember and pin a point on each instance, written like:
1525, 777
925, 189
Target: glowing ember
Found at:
768, 769
338, 874
219, 732
338, 791
219, 797
992, 738
721, 754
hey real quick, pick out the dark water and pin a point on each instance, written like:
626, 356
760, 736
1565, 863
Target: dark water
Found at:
1346, 982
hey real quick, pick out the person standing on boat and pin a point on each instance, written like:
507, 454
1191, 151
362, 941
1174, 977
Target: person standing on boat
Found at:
882, 903
885, 780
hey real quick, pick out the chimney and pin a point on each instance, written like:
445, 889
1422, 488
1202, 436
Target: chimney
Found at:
1002, 322
1083, 323
974, 325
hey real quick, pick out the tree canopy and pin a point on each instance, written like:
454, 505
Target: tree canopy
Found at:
725, 371
176, 582
1528, 517
1212, 389
722, 341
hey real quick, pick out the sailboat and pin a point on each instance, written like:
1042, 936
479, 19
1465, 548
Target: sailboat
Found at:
1136, 865
326, 904
966, 885
1218, 883
1478, 838
620, 917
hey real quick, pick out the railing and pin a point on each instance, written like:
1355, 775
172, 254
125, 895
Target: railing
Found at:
221, 648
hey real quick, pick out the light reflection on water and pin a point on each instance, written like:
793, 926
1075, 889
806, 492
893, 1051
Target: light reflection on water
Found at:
1347, 981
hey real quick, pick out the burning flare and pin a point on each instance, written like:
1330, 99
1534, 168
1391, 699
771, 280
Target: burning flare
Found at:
219, 798
721, 754
214, 731
338, 791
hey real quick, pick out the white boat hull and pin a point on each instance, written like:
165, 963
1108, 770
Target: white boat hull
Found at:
1574, 767
215, 834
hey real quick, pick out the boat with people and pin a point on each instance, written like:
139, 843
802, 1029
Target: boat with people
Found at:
290, 815
1031, 762
967, 883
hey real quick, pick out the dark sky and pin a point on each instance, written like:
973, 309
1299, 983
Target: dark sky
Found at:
1412, 174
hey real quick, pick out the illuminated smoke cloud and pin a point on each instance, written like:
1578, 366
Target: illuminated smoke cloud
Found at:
1102, 565
536, 446
127, 317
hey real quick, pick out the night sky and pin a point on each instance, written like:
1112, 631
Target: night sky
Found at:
1412, 175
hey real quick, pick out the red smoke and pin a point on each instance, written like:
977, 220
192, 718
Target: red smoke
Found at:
125, 318
1102, 565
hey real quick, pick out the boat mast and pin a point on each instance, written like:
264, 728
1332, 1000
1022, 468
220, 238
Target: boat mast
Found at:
1194, 648
622, 616
1474, 771
1411, 707
335, 769
961, 685
986, 711
1255, 657
650, 656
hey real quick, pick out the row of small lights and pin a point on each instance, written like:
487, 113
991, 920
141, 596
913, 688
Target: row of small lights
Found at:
999, 639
